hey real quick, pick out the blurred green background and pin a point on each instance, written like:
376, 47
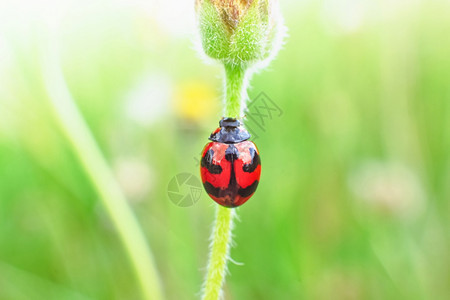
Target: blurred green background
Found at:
354, 195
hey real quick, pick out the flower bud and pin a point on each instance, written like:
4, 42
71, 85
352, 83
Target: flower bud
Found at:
240, 32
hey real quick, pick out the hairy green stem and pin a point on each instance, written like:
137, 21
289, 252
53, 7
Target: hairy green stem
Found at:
94, 163
236, 89
220, 248
236, 94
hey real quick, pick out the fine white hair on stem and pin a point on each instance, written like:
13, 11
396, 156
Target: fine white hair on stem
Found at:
220, 245
245, 37
250, 45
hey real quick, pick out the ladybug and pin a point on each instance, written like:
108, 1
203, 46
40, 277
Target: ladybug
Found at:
230, 164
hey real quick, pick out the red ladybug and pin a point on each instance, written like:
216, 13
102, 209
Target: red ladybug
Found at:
230, 165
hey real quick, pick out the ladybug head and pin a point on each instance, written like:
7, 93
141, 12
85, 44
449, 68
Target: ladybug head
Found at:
230, 132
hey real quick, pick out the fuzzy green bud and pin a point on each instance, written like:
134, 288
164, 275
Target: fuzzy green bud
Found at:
240, 32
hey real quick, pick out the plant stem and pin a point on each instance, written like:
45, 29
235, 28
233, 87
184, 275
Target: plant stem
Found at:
85, 147
236, 94
221, 240
236, 89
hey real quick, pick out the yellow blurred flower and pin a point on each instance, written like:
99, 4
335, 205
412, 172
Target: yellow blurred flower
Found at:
195, 101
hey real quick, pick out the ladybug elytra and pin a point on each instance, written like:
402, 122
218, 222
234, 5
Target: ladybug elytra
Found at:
230, 165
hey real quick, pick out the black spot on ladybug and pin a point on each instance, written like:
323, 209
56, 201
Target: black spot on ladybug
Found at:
210, 189
208, 164
256, 161
248, 191
231, 154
